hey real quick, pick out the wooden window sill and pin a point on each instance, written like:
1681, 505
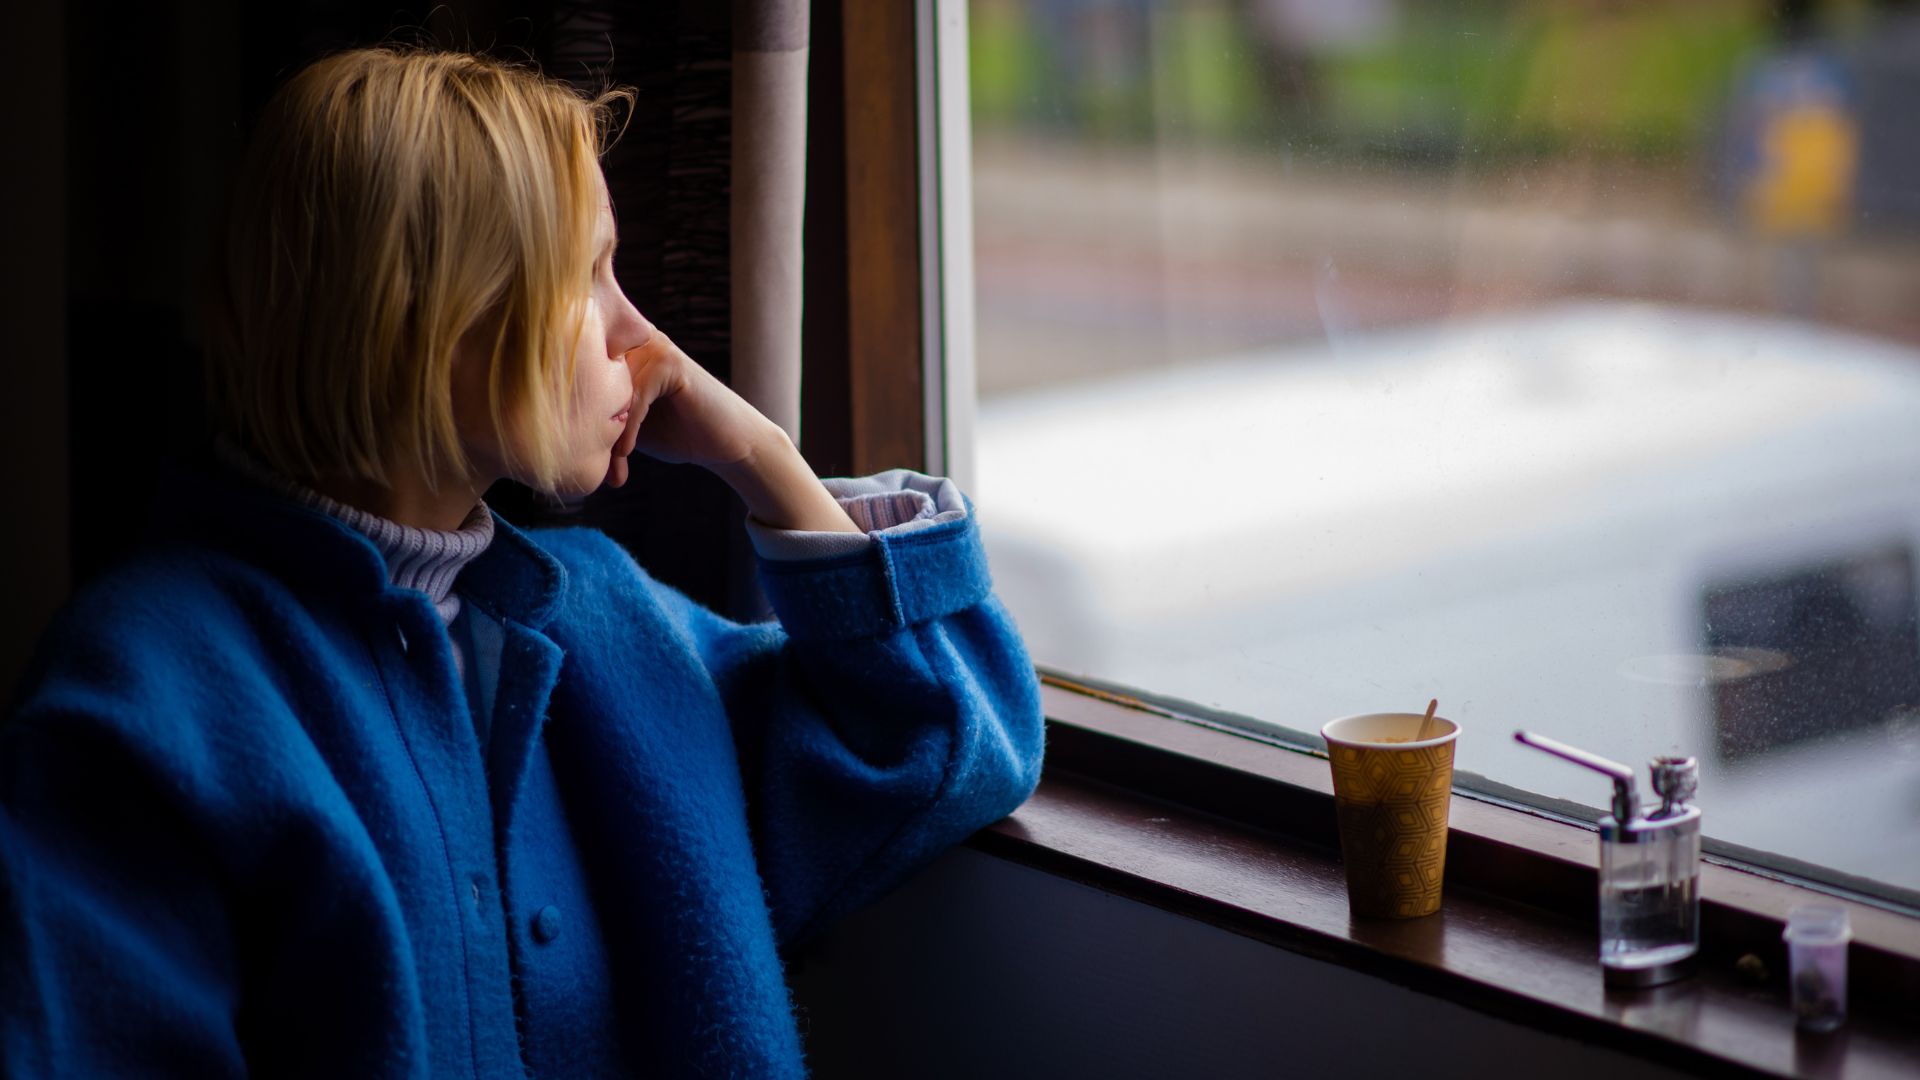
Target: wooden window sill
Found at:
1238, 832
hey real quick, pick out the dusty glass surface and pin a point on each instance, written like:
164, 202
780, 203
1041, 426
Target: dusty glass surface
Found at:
1559, 359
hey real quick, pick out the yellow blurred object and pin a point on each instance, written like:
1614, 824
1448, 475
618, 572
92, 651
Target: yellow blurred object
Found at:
1809, 157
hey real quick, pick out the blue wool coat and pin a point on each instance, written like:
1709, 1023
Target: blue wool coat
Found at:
246, 823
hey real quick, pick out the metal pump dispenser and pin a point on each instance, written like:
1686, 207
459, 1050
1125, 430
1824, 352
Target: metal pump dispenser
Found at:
1649, 869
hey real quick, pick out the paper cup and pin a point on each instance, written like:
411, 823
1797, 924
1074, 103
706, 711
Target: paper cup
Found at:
1391, 799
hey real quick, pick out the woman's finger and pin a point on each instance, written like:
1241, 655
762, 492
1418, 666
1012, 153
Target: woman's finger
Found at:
618, 469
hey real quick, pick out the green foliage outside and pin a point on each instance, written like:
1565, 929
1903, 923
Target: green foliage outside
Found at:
1445, 81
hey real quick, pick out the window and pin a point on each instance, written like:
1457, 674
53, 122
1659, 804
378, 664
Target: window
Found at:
1554, 358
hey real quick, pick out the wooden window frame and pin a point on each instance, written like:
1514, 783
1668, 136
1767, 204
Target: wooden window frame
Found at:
887, 336
1249, 817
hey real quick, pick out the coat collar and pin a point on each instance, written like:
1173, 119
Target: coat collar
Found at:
205, 503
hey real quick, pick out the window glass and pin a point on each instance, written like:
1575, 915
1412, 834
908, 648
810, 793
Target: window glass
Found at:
1559, 359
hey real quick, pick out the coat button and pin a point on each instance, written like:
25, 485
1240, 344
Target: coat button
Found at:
546, 924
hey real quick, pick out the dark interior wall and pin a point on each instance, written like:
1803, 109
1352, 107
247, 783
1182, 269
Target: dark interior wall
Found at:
979, 967
146, 159
160, 97
33, 406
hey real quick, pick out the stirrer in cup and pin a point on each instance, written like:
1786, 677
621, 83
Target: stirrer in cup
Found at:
1427, 722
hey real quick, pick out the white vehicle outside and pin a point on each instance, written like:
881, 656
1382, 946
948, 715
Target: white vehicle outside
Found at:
1520, 515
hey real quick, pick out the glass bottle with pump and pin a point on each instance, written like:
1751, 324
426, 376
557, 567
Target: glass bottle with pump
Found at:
1649, 869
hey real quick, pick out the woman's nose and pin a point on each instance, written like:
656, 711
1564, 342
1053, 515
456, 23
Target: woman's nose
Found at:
635, 331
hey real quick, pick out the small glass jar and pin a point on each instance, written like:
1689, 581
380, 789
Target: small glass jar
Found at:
1817, 936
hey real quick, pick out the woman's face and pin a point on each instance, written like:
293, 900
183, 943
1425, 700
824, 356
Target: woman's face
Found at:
602, 385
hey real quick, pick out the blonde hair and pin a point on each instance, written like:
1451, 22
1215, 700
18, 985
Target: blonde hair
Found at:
393, 201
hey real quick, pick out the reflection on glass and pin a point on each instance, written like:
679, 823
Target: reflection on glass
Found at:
1557, 358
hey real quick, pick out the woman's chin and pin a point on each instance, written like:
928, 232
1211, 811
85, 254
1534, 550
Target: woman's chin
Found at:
585, 477
574, 485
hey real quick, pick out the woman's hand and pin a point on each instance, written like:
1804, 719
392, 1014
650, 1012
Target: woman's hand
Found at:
682, 414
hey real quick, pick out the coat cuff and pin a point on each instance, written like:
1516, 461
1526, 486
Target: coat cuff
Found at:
897, 501
909, 574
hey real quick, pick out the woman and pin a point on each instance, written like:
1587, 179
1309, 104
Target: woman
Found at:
345, 776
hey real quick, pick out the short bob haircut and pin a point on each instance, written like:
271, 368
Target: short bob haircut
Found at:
395, 201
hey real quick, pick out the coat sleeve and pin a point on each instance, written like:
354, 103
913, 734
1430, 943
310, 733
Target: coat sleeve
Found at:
891, 712
114, 956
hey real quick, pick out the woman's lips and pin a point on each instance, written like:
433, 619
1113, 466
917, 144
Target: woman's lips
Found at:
621, 416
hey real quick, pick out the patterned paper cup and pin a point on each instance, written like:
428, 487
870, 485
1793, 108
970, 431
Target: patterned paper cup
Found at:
1391, 794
